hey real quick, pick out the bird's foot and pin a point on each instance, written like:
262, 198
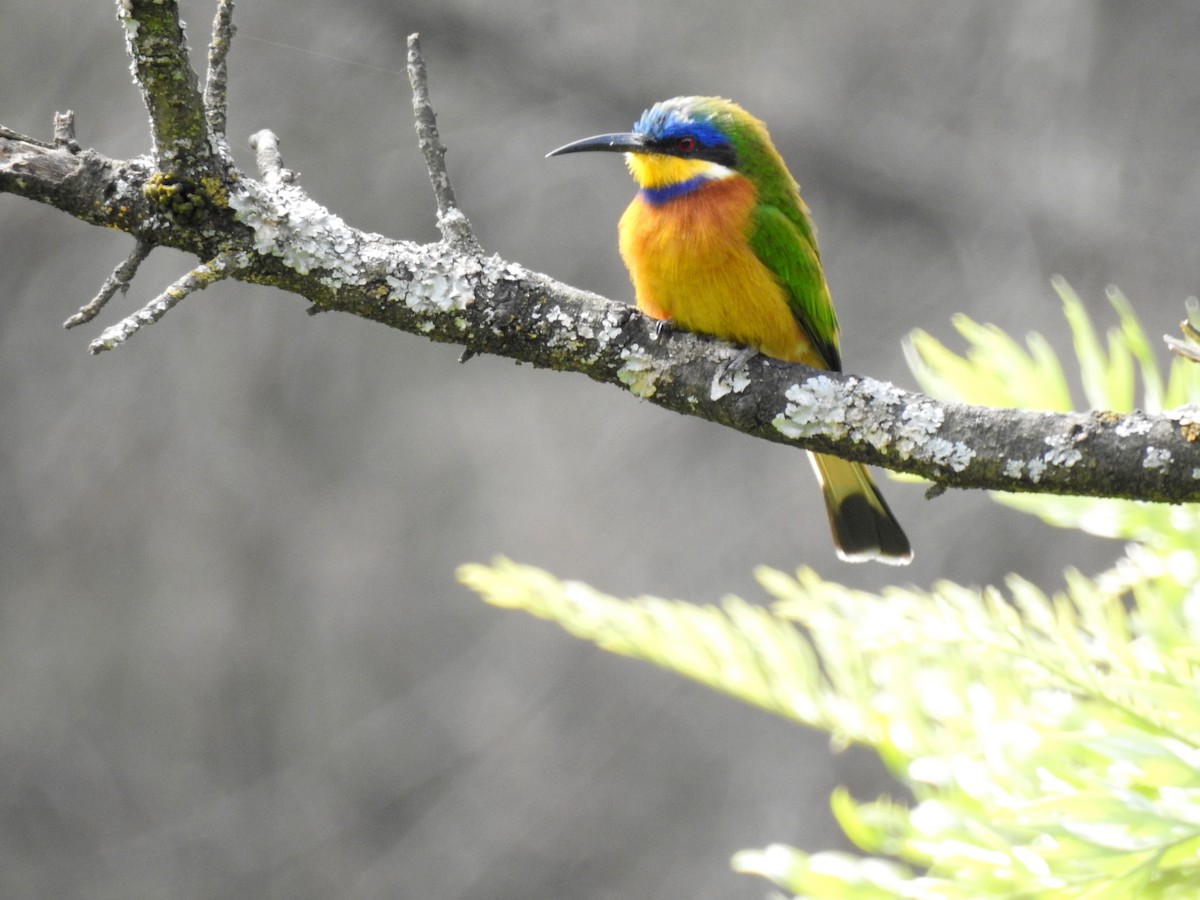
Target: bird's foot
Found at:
727, 371
663, 328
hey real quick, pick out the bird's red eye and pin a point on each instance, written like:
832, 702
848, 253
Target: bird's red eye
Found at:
686, 144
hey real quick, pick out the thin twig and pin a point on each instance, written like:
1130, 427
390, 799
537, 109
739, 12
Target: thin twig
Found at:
1182, 348
216, 269
11, 135
64, 131
119, 280
216, 82
1189, 348
268, 159
452, 223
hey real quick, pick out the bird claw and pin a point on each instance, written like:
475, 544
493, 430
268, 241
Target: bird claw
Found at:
727, 371
662, 328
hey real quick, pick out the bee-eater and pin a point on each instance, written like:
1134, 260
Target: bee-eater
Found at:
719, 242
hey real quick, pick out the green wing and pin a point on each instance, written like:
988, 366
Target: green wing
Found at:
789, 249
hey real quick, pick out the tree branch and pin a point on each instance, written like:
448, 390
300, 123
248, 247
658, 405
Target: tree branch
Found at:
196, 280
452, 223
216, 85
269, 231
156, 44
119, 280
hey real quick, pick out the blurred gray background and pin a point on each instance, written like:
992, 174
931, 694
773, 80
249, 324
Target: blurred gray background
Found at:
234, 661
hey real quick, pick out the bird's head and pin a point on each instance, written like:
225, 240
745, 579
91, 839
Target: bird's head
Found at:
678, 141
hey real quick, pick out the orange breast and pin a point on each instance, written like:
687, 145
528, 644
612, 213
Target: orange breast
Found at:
691, 262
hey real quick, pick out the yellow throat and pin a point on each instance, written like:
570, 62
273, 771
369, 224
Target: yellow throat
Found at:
652, 171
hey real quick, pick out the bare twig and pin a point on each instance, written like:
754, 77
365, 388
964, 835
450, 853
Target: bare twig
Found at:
1189, 348
216, 82
453, 224
199, 278
1182, 348
64, 131
268, 159
17, 138
119, 280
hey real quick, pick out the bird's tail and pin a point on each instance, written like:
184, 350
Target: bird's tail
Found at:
863, 526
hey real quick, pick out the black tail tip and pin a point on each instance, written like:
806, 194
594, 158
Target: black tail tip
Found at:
864, 532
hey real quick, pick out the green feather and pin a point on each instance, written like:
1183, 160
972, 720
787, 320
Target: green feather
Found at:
792, 255
782, 234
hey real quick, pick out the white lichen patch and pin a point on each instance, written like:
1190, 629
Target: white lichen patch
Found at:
858, 416
452, 219
953, 455
1062, 452
441, 284
919, 420
565, 334
124, 190
1132, 425
556, 316
1036, 467
640, 372
1156, 458
879, 391
289, 225
610, 329
1187, 414
823, 407
376, 251
815, 407
604, 331
828, 408
726, 382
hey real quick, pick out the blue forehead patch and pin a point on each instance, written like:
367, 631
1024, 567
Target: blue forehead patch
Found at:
665, 121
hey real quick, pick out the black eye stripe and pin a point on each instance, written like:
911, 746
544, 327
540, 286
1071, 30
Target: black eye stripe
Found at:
722, 154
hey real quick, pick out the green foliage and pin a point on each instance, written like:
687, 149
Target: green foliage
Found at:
1051, 742
997, 371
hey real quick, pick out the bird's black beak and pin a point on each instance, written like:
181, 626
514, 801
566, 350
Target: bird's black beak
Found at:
612, 143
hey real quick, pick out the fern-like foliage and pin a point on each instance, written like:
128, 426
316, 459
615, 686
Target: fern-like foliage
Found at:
1051, 742
996, 370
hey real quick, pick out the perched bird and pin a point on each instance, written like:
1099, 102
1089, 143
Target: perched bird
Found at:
719, 242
